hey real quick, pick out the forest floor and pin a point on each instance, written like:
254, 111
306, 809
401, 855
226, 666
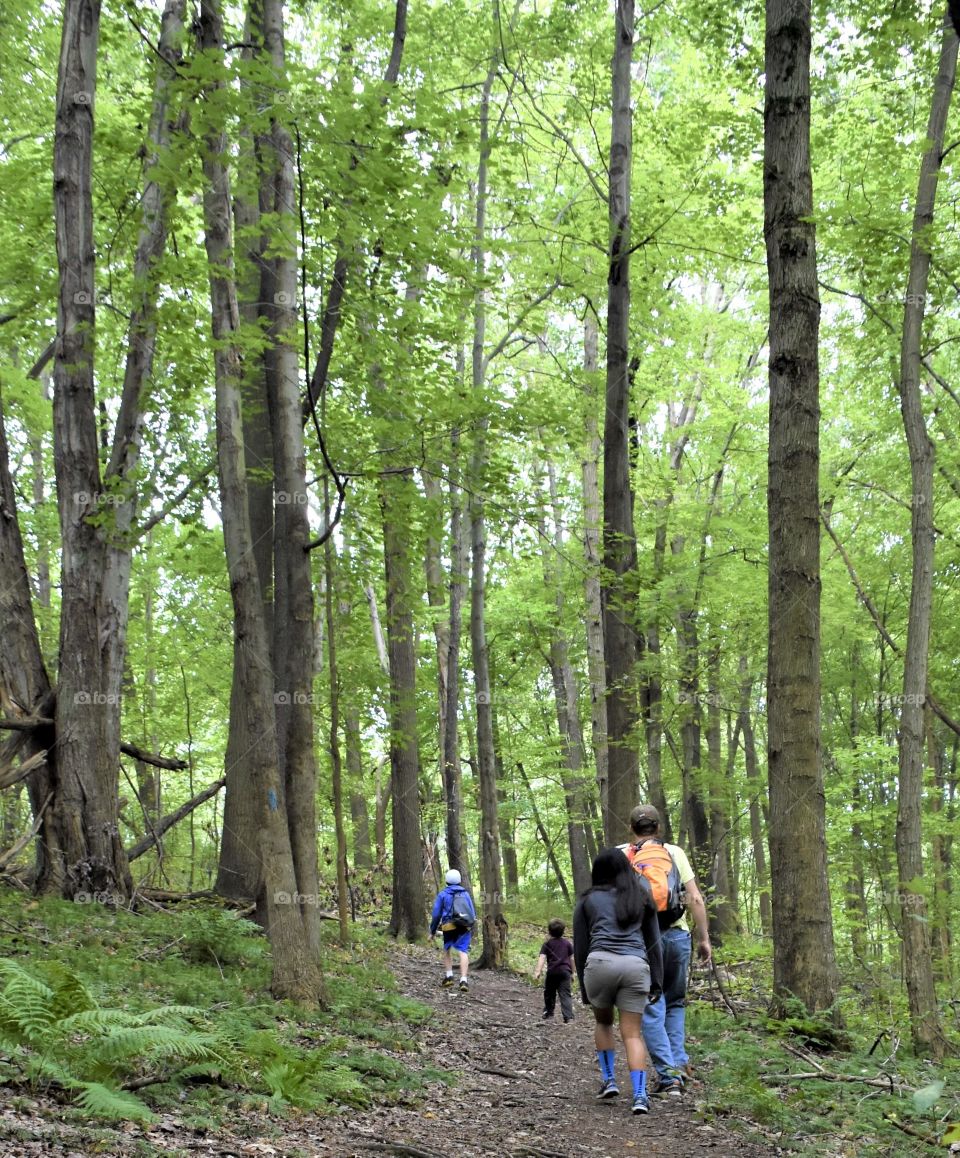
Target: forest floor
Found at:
525, 1088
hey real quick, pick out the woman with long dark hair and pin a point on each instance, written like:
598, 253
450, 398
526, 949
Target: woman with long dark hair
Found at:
616, 939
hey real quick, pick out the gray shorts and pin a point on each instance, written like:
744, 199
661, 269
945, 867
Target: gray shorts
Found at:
614, 979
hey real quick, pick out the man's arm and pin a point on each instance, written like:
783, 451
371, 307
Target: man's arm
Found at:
697, 906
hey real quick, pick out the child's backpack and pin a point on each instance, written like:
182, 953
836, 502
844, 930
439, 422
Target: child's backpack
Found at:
460, 918
652, 860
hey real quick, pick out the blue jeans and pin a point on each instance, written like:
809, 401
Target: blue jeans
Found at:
664, 1022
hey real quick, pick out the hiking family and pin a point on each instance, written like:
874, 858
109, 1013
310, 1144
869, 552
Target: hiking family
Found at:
631, 951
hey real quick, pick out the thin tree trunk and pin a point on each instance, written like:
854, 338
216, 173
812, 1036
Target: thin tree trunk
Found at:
493, 922
803, 957
755, 786
925, 1026
452, 770
359, 812
565, 693
343, 897
592, 519
623, 644
724, 919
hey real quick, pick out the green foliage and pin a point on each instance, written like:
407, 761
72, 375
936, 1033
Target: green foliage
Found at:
58, 1034
219, 936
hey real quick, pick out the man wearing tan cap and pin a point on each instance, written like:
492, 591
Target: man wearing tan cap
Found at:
664, 1023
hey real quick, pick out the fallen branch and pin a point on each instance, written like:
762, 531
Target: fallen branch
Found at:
501, 1073
403, 1148
171, 819
21, 844
911, 1130
10, 776
885, 1083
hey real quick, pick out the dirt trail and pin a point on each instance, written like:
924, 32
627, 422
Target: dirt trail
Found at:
527, 1090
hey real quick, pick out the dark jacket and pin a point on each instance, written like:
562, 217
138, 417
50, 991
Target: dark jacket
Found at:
595, 927
443, 906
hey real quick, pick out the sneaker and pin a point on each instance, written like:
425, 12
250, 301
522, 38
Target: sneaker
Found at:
447, 981
641, 1104
464, 985
547, 1014
566, 1019
609, 1089
670, 1087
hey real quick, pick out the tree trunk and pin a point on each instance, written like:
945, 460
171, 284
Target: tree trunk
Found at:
398, 498
803, 956
296, 973
359, 812
343, 897
452, 771
755, 785
84, 810
623, 644
592, 518
238, 869
724, 919
565, 694
925, 1027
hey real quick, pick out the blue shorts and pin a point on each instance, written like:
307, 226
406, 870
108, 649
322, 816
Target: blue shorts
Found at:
457, 940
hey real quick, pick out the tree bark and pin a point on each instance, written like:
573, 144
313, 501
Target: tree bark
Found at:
925, 1027
84, 810
623, 645
296, 973
803, 955
592, 519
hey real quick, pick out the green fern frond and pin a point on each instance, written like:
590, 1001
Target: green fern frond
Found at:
156, 1041
104, 1102
70, 996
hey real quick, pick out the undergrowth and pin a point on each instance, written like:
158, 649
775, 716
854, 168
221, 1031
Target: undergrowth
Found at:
119, 1014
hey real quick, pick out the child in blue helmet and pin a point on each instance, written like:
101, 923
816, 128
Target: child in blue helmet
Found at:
455, 936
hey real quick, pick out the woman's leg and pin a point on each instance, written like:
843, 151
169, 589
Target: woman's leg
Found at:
603, 1030
631, 1030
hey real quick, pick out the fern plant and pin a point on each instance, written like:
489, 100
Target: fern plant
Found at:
57, 1034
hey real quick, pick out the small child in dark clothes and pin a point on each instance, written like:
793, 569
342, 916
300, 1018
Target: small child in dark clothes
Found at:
557, 955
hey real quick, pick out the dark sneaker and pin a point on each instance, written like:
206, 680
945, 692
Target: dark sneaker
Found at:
547, 1015
447, 982
566, 1019
670, 1087
641, 1104
609, 1089
464, 985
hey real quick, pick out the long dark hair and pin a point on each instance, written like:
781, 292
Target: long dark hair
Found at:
612, 872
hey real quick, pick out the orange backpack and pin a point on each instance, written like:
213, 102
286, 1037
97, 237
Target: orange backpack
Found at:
652, 860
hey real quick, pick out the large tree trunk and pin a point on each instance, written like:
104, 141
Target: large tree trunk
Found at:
803, 956
238, 870
296, 972
84, 808
293, 634
623, 644
925, 1027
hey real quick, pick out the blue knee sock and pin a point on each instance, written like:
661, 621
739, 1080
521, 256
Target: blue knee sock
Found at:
639, 1079
605, 1058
